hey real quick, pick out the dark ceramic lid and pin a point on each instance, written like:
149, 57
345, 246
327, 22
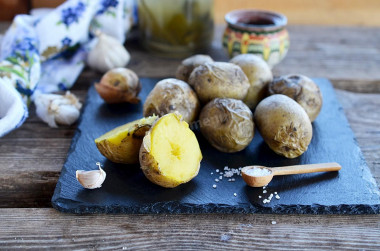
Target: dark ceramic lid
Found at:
255, 20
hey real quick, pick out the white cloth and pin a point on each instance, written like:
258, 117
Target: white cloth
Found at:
47, 53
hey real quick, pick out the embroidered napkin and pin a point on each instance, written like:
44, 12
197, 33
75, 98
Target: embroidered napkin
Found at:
47, 54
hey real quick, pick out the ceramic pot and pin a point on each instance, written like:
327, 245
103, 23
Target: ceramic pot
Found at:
259, 32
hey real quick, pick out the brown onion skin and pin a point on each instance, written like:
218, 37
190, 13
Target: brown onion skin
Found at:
119, 85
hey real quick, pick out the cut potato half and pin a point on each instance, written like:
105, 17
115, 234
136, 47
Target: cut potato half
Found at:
170, 153
122, 144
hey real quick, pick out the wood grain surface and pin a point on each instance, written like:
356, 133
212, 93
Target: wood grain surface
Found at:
32, 156
47, 228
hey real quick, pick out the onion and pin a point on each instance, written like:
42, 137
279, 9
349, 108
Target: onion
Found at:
119, 85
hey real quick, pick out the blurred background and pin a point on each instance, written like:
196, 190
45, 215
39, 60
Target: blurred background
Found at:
322, 12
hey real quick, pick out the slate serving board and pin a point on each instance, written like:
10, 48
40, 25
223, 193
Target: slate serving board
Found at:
351, 191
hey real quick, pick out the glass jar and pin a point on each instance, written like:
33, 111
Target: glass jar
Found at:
176, 28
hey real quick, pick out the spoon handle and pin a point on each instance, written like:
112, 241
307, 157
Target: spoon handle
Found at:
309, 168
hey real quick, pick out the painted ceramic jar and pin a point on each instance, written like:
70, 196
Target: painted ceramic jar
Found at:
259, 32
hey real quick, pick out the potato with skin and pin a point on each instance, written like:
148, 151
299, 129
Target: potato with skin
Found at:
301, 89
284, 125
227, 124
122, 144
170, 153
219, 80
172, 95
187, 66
259, 75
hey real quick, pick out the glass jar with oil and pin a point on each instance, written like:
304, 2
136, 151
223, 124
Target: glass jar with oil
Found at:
176, 28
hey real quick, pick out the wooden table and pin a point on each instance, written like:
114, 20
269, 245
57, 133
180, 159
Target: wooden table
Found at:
32, 156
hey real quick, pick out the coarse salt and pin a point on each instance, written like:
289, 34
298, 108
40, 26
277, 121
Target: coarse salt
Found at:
217, 170
265, 191
235, 194
214, 186
258, 172
216, 180
277, 196
274, 222
229, 174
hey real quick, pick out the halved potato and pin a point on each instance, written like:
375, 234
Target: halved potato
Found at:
122, 144
170, 153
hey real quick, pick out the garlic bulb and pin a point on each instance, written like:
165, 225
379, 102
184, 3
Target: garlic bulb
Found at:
91, 179
107, 54
57, 109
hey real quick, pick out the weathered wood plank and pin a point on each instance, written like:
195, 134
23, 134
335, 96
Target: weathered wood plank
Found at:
47, 228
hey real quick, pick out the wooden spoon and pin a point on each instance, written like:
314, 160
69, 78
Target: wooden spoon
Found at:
260, 181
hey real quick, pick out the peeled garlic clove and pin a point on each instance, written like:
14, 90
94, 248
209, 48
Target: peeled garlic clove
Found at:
107, 54
91, 179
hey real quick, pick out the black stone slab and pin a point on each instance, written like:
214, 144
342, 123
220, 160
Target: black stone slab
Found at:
351, 191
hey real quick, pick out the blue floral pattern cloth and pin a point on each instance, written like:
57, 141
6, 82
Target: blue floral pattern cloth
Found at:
47, 54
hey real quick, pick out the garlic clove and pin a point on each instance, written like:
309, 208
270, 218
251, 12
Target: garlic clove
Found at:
108, 54
91, 179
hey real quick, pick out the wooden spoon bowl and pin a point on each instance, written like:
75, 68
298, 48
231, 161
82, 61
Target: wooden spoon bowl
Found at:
260, 181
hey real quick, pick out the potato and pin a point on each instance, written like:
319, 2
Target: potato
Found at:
219, 80
227, 124
170, 95
122, 144
301, 89
284, 125
187, 66
170, 153
259, 75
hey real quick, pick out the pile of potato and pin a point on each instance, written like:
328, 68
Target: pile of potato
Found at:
218, 97
283, 107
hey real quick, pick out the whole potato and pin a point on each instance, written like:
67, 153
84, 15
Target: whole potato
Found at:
227, 124
170, 95
301, 89
187, 66
284, 125
259, 75
219, 80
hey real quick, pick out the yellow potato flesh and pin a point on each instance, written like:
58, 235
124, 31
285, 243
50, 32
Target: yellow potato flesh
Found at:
175, 148
122, 144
